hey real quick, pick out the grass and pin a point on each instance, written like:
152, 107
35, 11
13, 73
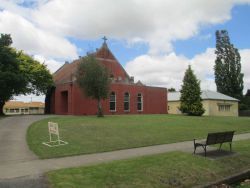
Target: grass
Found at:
175, 169
88, 134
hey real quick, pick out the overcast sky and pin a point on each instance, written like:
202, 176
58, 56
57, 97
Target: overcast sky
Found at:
154, 40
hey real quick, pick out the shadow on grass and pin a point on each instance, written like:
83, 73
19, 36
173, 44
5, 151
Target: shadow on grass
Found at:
217, 154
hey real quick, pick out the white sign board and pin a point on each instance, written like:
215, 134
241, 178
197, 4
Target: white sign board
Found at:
53, 128
54, 140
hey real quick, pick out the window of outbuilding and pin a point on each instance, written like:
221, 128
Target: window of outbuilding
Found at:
224, 107
112, 102
126, 101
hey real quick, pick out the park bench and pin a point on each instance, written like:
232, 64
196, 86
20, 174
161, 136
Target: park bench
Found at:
215, 138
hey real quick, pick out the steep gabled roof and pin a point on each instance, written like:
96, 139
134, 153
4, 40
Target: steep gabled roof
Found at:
205, 95
104, 52
66, 73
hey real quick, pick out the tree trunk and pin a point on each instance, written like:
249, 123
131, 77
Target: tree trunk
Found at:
1, 107
99, 113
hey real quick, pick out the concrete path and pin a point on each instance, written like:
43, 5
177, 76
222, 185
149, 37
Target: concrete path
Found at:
26, 165
13, 147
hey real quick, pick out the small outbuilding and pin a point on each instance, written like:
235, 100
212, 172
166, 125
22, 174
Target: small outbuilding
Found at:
214, 103
21, 108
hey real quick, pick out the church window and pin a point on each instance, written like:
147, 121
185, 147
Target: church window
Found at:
126, 101
139, 102
112, 102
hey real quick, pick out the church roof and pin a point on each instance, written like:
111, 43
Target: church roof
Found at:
66, 73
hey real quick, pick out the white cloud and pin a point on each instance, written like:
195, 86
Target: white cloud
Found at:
168, 71
158, 22
245, 67
52, 64
163, 71
34, 40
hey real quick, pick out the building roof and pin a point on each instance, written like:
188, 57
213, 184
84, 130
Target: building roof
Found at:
66, 73
20, 104
205, 95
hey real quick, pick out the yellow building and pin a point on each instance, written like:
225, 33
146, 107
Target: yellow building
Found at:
18, 108
214, 103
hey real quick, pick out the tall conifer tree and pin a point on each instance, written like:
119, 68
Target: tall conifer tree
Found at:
227, 69
191, 94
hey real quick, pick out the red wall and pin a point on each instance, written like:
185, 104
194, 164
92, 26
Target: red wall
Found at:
154, 100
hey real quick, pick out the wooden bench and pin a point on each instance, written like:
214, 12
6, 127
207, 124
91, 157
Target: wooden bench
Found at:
215, 138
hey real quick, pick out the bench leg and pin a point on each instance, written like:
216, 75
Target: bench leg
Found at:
194, 149
230, 146
205, 149
220, 146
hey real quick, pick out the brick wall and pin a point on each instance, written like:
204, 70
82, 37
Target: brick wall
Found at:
154, 100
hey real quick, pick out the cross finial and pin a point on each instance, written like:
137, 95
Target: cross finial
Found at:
104, 39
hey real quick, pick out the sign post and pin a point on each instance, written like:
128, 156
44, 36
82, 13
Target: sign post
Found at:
54, 137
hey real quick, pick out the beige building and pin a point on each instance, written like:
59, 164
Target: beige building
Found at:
18, 108
214, 103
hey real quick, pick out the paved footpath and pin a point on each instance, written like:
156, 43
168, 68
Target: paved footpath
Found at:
13, 147
16, 161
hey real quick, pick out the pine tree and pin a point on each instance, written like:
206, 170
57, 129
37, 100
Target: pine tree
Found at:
191, 94
227, 69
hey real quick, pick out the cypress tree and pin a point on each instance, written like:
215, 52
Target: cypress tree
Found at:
227, 69
191, 94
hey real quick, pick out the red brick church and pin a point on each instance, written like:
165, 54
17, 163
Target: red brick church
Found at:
126, 97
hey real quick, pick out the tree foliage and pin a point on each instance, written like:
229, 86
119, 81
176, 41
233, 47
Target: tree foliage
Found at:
93, 78
19, 73
245, 102
228, 76
191, 94
38, 78
171, 89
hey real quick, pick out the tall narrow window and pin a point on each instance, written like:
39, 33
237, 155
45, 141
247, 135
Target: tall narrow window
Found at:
112, 101
126, 101
139, 102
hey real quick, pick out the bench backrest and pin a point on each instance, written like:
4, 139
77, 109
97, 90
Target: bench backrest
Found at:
220, 137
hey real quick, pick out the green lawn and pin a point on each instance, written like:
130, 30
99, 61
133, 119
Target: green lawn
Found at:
88, 134
175, 169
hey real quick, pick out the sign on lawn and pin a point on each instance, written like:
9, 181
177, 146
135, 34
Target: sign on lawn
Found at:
54, 137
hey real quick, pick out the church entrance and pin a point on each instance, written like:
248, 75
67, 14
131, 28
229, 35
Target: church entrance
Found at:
64, 102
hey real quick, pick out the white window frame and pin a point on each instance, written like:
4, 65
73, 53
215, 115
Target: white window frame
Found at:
224, 107
139, 102
128, 101
112, 101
